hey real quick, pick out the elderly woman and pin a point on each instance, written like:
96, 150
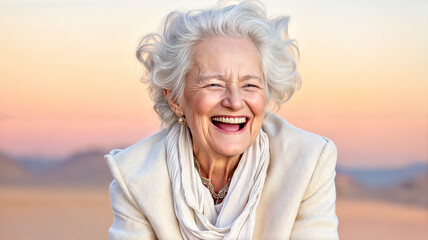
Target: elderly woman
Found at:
223, 167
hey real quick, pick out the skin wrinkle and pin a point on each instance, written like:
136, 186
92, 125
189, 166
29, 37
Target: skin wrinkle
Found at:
202, 78
226, 80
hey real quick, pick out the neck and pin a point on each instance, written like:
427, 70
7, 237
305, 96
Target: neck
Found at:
218, 170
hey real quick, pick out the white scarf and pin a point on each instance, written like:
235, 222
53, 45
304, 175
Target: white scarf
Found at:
193, 204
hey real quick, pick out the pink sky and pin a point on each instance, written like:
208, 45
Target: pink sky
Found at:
69, 78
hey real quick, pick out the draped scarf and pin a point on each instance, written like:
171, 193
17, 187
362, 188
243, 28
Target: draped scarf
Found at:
193, 204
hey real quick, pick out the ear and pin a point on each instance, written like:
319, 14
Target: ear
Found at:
175, 107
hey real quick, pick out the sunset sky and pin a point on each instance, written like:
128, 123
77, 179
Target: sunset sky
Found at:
69, 79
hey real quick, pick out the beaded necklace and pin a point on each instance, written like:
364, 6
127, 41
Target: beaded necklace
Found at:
207, 183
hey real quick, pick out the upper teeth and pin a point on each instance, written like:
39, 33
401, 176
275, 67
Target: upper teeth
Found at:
230, 120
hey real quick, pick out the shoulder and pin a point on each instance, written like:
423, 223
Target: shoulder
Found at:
301, 163
284, 137
144, 146
293, 150
139, 161
141, 192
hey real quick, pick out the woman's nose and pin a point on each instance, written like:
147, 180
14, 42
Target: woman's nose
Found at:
233, 99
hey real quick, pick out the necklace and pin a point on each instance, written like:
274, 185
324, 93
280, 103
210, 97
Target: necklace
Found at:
207, 183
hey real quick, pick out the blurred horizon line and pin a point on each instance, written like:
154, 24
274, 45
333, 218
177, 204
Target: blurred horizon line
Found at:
57, 159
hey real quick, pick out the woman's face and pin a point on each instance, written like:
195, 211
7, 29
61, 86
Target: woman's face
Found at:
224, 97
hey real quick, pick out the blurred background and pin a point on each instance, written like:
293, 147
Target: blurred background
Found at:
70, 92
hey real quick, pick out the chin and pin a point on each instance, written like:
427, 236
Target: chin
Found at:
232, 150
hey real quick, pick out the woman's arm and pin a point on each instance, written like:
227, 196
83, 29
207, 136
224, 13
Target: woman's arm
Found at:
316, 218
129, 222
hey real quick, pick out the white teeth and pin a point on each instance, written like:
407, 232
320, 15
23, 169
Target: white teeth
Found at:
230, 120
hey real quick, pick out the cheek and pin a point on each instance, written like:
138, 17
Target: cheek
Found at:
204, 101
198, 105
257, 103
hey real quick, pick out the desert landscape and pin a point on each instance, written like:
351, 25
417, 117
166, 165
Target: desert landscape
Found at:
70, 200
29, 213
70, 82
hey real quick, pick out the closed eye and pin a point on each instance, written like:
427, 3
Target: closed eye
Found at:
213, 85
251, 86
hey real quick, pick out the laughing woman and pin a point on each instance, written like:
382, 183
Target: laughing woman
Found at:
223, 167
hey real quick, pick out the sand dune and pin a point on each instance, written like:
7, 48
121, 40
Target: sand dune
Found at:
54, 214
380, 220
35, 213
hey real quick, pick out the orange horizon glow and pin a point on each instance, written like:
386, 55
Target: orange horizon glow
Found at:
69, 77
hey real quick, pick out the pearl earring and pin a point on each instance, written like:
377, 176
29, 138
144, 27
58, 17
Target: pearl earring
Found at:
182, 120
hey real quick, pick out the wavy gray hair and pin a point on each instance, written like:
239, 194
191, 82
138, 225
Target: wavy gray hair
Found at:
168, 56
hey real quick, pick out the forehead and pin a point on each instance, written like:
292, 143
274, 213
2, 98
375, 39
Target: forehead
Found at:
226, 55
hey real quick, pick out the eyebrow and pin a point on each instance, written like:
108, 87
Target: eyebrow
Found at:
205, 77
248, 77
221, 77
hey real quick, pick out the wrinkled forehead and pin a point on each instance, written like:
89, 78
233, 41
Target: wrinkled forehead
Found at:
222, 57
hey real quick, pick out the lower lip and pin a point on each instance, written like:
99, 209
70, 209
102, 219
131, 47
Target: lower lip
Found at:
231, 132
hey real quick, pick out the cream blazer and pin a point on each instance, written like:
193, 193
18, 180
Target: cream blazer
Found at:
297, 202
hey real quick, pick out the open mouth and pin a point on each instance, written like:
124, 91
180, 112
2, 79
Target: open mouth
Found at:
229, 124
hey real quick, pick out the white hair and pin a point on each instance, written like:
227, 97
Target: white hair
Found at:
168, 56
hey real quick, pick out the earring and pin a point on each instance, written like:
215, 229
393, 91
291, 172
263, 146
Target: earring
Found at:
182, 120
